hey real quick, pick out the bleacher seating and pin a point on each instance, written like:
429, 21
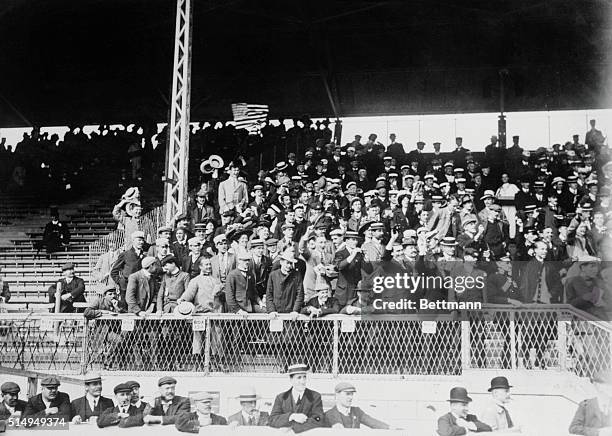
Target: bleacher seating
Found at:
22, 221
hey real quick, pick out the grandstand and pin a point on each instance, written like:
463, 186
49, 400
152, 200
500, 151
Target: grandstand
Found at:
348, 226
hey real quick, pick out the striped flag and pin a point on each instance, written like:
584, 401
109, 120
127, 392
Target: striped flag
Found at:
250, 116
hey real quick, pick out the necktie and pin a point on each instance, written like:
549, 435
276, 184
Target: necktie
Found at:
299, 401
95, 403
165, 406
508, 419
124, 410
251, 420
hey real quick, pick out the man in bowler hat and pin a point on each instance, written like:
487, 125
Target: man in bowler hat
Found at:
458, 421
496, 414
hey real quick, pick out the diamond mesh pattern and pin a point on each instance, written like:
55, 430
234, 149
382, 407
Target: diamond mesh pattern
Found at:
588, 348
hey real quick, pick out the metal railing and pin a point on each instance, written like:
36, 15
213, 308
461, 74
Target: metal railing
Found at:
500, 337
148, 223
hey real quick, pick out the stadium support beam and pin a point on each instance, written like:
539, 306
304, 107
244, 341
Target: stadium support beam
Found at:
175, 195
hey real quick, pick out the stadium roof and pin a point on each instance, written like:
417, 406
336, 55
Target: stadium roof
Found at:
111, 60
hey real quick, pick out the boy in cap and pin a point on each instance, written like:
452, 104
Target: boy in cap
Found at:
92, 403
50, 403
249, 415
299, 408
168, 405
594, 416
458, 421
72, 289
123, 414
345, 415
496, 414
190, 422
11, 405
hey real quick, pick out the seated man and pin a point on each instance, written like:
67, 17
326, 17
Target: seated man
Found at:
123, 414
458, 421
299, 408
321, 304
136, 398
249, 415
191, 422
594, 416
11, 405
168, 405
496, 413
50, 403
72, 290
343, 415
93, 403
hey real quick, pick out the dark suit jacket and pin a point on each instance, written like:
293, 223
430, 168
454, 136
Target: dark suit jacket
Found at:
331, 306
349, 275
284, 294
356, 417
81, 407
240, 291
191, 267
263, 420
128, 262
140, 293
4, 412
76, 289
110, 417
261, 273
180, 250
589, 419
179, 405
284, 406
36, 407
447, 425
188, 422
531, 276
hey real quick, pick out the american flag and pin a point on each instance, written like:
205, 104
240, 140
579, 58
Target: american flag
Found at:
250, 116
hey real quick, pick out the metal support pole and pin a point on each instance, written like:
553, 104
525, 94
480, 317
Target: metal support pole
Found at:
207, 337
335, 354
465, 345
562, 344
513, 357
84, 349
177, 156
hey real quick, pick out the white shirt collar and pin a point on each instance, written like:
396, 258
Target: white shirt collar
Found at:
296, 394
346, 411
90, 399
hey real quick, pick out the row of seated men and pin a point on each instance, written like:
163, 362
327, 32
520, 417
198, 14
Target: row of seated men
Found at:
299, 408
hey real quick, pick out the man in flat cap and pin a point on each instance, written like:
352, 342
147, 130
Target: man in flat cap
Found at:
128, 262
72, 289
458, 421
174, 284
123, 414
345, 415
50, 403
92, 403
224, 261
496, 414
136, 398
249, 415
168, 405
299, 408
190, 422
11, 405
594, 416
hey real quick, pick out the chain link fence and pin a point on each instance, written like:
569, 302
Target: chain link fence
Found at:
494, 338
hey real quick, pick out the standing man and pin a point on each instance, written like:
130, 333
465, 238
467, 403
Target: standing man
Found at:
233, 193
349, 261
11, 405
140, 293
50, 403
93, 403
124, 414
240, 292
223, 262
249, 415
458, 421
128, 262
344, 415
72, 289
168, 405
299, 408
496, 414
